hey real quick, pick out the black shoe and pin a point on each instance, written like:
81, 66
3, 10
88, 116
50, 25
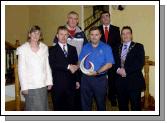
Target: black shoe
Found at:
113, 102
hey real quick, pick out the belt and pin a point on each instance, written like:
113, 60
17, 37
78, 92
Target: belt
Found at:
100, 75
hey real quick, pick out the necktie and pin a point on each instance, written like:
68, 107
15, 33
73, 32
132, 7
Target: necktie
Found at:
64, 50
123, 54
106, 33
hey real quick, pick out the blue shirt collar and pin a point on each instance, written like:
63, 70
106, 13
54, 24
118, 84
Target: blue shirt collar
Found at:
99, 44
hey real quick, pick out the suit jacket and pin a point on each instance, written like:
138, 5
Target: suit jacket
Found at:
63, 79
114, 39
133, 66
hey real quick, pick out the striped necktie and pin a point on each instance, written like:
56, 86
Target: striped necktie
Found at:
65, 52
123, 54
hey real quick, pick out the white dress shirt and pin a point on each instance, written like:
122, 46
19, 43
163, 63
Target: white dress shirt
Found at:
33, 67
61, 45
127, 43
107, 27
66, 48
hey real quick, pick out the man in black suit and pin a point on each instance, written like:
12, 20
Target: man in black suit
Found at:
77, 38
129, 63
63, 60
111, 36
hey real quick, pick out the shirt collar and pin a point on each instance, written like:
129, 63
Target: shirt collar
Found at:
105, 26
99, 44
127, 43
61, 45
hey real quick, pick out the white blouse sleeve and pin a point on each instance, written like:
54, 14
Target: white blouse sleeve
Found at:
49, 80
22, 68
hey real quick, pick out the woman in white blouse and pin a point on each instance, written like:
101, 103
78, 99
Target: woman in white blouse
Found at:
34, 71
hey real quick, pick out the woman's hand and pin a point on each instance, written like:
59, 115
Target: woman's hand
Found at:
25, 92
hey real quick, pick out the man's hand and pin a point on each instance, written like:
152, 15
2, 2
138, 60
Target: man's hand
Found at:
92, 73
122, 72
25, 92
73, 68
77, 85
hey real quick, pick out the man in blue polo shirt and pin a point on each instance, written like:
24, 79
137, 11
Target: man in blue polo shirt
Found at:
94, 83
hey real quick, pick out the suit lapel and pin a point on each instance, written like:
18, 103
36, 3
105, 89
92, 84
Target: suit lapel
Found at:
61, 51
102, 31
69, 50
120, 50
109, 34
132, 44
130, 49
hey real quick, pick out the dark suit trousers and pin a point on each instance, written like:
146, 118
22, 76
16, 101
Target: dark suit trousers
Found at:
125, 95
77, 100
111, 86
63, 99
93, 87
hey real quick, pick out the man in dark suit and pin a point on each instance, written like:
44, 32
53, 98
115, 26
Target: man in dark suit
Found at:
77, 38
63, 60
111, 36
129, 63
